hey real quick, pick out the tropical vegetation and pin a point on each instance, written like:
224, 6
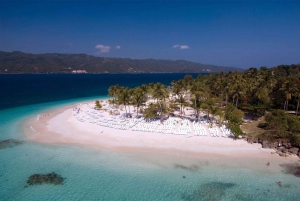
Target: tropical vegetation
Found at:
227, 97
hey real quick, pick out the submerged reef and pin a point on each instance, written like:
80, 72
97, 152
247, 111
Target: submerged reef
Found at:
291, 168
208, 192
51, 178
9, 143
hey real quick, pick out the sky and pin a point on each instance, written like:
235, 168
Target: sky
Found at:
240, 33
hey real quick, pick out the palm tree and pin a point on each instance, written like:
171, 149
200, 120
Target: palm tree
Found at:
124, 97
177, 87
138, 97
262, 94
197, 103
297, 95
211, 107
289, 87
113, 91
181, 101
237, 87
160, 93
199, 92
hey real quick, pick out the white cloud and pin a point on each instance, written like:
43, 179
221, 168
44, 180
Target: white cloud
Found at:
182, 47
103, 48
118, 47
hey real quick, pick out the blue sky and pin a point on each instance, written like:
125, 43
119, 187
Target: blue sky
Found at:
229, 33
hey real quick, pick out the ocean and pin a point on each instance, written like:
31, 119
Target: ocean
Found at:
104, 175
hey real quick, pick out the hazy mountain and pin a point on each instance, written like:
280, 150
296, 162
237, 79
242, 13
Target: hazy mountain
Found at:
19, 62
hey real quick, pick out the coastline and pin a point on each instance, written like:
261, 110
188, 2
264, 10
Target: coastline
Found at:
60, 126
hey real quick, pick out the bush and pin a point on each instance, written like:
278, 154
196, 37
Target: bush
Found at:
97, 104
234, 115
235, 129
293, 123
277, 120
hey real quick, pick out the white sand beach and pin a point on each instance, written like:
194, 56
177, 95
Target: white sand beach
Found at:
100, 130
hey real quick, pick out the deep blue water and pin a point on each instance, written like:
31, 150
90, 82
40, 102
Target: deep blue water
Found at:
104, 175
19, 90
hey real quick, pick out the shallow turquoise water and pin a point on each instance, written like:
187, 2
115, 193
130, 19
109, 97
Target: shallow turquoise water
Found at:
103, 175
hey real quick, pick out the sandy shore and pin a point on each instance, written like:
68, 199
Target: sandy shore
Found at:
61, 126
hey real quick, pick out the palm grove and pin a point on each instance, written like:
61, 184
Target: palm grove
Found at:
225, 96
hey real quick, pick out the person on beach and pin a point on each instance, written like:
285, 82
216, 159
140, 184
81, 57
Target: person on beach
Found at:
268, 164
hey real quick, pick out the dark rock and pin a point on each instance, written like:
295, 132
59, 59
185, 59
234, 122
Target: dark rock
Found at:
249, 140
265, 145
294, 150
280, 148
282, 154
273, 146
51, 178
284, 150
287, 145
9, 143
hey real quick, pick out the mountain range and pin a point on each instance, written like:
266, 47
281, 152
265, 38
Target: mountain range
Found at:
20, 63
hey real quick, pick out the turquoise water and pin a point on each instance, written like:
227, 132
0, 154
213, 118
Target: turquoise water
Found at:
103, 175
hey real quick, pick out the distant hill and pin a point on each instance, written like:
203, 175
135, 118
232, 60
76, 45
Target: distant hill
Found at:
19, 62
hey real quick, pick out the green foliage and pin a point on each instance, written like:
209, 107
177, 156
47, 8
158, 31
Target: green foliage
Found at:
98, 105
151, 111
283, 125
233, 115
138, 97
293, 123
235, 129
181, 101
124, 96
277, 120
295, 139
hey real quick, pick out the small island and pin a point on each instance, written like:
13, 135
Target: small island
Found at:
209, 115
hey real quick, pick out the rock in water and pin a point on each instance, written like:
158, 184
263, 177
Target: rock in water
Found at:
51, 178
9, 143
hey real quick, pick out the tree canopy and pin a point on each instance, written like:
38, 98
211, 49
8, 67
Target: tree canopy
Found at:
225, 96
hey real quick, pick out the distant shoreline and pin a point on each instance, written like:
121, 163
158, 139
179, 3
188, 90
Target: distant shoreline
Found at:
101, 73
20, 62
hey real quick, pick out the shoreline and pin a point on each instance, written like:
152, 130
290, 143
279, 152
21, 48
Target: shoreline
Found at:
60, 127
